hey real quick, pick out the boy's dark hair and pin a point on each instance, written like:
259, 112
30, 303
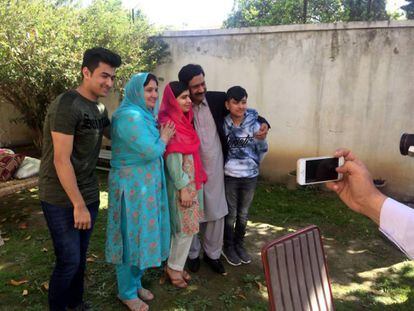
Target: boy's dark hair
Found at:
149, 78
190, 71
236, 92
92, 58
178, 87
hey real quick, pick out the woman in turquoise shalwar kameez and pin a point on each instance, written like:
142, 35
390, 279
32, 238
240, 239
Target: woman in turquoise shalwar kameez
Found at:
138, 231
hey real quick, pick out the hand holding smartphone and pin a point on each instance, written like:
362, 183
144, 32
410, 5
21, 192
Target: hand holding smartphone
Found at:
318, 170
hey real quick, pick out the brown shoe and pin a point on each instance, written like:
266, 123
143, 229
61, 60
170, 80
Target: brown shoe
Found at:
175, 277
186, 276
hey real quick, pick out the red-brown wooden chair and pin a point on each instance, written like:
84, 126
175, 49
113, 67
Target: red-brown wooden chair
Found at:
296, 272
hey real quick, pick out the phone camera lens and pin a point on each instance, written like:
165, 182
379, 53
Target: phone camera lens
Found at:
406, 141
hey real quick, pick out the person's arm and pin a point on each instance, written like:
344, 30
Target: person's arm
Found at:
397, 224
174, 164
358, 192
261, 145
133, 130
356, 188
62, 146
264, 128
64, 119
261, 148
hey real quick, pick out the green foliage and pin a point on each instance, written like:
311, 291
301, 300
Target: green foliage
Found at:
278, 12
42, 43
409, 9
365, 10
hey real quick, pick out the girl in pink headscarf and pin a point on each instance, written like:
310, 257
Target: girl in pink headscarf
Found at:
185, 177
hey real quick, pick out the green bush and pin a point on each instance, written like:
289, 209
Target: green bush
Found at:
42, 43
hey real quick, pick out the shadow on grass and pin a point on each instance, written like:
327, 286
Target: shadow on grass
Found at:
389, 288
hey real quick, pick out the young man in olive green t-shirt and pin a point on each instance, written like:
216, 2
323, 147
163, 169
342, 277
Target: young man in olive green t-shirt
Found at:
68, 186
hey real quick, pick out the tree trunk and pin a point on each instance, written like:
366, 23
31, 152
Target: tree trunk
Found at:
38, 139
305, 11
369, 8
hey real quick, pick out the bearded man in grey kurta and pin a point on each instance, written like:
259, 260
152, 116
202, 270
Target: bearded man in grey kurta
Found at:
209, 112
215, 205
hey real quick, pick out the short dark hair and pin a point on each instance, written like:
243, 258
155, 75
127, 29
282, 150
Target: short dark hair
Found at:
236, 92
190, 71
149, 78
92, 58
178, 88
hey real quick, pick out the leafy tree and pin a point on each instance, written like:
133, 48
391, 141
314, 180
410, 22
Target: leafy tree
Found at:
42, 43
365, 10
276, 12
409, 9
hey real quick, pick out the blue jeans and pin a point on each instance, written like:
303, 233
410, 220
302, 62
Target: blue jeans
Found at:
71, 245
239, 195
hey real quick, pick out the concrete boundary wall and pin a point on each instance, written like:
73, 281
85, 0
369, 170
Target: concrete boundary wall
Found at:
12, 133
320, 86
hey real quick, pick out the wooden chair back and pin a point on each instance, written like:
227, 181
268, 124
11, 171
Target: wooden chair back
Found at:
296, 272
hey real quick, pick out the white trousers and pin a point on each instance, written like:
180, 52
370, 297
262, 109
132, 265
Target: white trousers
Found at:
180, 246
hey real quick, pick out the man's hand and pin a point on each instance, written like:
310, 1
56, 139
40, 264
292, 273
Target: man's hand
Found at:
262, 133
186, 198
82, 217
356, 189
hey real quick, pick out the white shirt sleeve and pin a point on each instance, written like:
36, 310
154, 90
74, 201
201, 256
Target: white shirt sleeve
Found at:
397, 223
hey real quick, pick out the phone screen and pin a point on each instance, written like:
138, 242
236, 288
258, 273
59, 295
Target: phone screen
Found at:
321, 170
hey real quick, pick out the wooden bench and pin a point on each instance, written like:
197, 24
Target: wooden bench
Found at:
104, 160
15, 185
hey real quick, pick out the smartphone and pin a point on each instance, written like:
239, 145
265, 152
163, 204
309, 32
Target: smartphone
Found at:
318, 170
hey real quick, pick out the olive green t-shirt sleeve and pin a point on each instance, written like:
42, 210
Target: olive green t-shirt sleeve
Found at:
64, 117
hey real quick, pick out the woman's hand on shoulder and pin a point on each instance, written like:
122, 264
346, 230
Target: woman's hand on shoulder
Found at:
167, 131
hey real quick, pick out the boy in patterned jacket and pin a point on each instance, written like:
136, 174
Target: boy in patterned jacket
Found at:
241, 169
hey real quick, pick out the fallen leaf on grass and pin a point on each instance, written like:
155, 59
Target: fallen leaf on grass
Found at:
18, 283
28, 238
4, 220
25, 292
95, 256
6, 239
90, 259
162, 279
45, 285
23, 225
242, 296
261, 286
44, 249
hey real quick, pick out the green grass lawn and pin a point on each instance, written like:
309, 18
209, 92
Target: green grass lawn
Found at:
366, 271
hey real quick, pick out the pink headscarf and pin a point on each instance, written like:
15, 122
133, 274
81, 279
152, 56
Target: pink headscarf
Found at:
185, 140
